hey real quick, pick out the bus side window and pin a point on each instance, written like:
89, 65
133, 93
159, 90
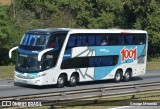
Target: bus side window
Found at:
97, 61
107, 61
113, 40
107, 39
56, 42
51, 42
84, 40
79, 40
104, 40
128, 40
98, 40
91, 40
91, 62
71, 41
121, 40
142, 39
135, 40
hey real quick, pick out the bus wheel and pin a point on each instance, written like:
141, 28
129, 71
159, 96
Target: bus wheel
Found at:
118, 76
73, 80
127, 75
61, 81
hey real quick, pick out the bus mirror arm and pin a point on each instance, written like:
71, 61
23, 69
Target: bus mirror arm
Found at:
10, 51
42, 52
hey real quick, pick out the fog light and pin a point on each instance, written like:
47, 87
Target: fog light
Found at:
15, 80
37, 81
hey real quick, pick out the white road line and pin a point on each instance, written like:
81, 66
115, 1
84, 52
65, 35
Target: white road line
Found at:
125, 107
149, 74
4, 85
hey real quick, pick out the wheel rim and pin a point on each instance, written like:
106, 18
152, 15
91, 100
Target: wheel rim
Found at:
127, 75
73, 79
118, 76
60, 80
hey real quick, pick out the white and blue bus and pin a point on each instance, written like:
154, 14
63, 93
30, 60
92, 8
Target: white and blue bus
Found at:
60, 56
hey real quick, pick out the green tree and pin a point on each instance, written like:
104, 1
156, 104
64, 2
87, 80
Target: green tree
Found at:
145, 15
23, 15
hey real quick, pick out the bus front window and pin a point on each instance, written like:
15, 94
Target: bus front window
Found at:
27, 63
36, 41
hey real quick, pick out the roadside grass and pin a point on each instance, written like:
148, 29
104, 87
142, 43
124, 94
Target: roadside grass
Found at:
5, 2
153, 65
107, 102
6, 72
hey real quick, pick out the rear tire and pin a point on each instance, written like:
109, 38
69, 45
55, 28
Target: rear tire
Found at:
61, 81
73, 80
127, 75
118, 76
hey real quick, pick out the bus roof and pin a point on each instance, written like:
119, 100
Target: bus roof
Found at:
72, 31
106, 31
47, 30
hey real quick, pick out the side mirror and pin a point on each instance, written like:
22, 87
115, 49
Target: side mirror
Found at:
42, 52
11, 50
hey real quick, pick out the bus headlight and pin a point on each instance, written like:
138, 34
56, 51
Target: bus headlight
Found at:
40, 75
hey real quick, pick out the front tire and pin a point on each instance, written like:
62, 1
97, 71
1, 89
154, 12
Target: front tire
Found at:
73, 80
61, 81
117, 77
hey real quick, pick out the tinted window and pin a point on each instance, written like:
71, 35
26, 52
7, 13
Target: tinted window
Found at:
105, 39
81, 41
71, 41
135, 40
80, 62
121, 40
34, 40
142, 39
91, 40
128, 40
56, 40
107, 61
98, 40
113, 40
95, 61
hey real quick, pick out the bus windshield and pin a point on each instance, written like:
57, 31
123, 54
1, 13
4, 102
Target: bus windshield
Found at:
34, 40
27, 63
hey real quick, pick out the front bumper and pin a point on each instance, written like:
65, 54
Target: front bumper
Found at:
36, 81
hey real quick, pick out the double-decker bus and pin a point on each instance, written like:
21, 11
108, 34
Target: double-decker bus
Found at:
68, 56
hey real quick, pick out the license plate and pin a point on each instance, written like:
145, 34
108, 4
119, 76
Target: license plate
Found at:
23, 81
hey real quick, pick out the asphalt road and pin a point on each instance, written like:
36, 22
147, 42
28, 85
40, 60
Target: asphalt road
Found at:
8, 88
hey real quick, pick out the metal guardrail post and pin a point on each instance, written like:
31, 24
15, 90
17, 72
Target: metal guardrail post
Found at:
137, 87
52, 107
63, 94
102, 91
17, 99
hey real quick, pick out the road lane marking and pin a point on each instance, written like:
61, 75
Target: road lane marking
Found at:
125, 107
4, 85
150, 74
